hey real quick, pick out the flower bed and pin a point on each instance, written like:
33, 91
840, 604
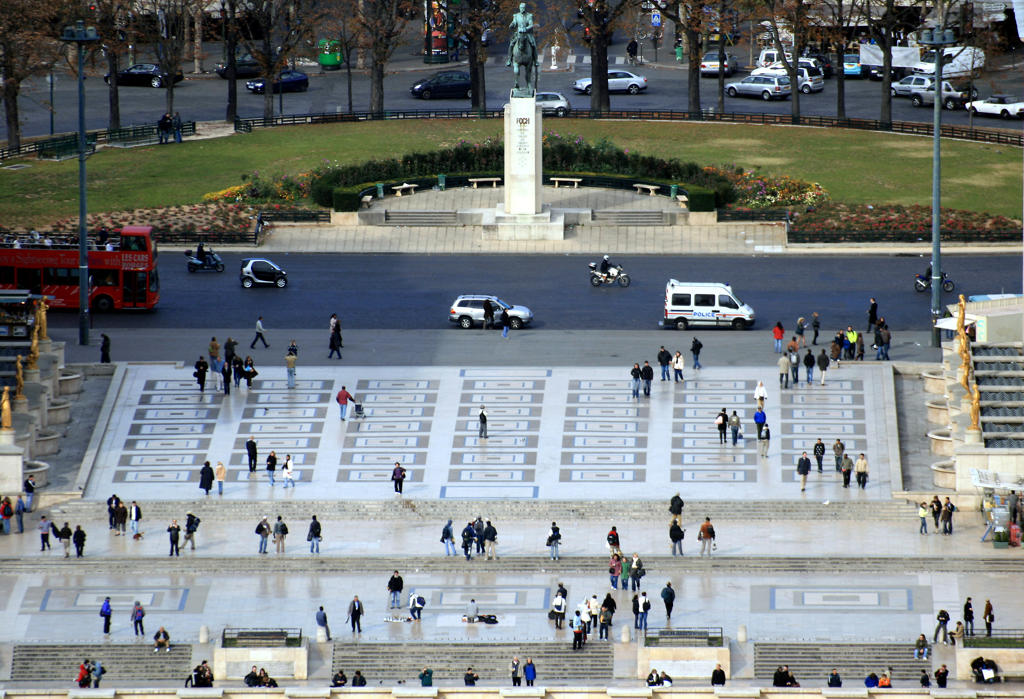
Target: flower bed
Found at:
839, 223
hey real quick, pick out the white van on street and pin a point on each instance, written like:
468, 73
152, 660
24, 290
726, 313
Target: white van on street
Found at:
957, 62
704, 304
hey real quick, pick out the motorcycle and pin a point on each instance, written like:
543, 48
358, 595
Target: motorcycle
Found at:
923, 283
210, 261
615, 276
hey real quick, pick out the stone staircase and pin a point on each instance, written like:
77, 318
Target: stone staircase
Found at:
213, 509
123, 662
556, 662
628, 218
421, 218
811, 663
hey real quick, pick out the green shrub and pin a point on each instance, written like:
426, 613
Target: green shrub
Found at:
701, 198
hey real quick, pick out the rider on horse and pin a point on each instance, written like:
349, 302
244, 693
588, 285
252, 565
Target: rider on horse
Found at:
523, 23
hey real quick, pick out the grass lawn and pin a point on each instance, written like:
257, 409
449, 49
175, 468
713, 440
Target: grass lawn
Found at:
854, 166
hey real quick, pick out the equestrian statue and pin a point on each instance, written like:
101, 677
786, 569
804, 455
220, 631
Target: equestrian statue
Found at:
523, 55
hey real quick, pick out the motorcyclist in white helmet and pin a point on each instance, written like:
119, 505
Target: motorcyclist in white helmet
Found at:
605, 265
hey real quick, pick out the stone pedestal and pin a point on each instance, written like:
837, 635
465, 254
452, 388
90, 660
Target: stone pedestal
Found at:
523, 176
972, 436
11, 461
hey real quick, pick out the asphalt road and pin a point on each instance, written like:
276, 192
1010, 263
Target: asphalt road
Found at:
409, 292
204, 99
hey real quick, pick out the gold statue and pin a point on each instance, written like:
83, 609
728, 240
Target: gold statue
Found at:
33, 352
975, 408
5, 409
961, 326
19, 379
41, 309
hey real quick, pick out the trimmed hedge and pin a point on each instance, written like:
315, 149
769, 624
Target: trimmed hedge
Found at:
571, 157
350, 198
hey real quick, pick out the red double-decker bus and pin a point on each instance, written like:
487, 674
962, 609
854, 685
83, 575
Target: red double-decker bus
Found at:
122, 269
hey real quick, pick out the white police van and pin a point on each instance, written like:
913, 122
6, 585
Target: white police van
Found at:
704, 304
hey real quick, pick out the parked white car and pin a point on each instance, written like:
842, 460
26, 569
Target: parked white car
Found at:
998, 105
809, 77
618, 81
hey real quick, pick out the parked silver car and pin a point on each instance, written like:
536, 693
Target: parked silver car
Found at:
906, 86
468, 311
767, 87
553, 103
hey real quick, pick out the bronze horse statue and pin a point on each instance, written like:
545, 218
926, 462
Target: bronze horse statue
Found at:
525, 66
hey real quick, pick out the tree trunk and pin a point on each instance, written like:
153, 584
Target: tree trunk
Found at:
482, 97
11, 88
721, 60
268, 98
599, 99
475, 72
231, 46
885, 116
197, 46
348, 80
693, 69
169, 93
113, 97
377, 87
841, 84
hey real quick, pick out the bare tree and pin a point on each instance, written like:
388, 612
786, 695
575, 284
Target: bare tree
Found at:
340, 24
886, 20
28, 44
381, 25
599, 19
113, 22
469, 18
793, 16
229, 17
277, 27
839, 16
171, 18
688, 16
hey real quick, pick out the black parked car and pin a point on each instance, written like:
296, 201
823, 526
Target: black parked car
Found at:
287, 81
825, 60
245, 67
448, 83
144, 75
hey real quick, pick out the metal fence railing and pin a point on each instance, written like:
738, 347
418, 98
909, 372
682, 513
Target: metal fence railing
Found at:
58, 145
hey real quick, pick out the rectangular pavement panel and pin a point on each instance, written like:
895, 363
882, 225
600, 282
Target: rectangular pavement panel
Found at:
718, 399
396, 384
620, 385
398, 412
166, 445
456, 475
708, 442
291, 398
506, 458
719, 476
604, 458
376, 475
176, 414
799, 444
501, 398
594, 426
378, 427
499, 411
608, 411
284, 413
819, 599
169, 428
512, 373
278, 428
398, 398
161, 477
161, 460
164, 385
180, 398
821, 399
595, 398
603, 442
388, 458
719, 385
489, 492
268, 442
835, 429
730, 458
704, 415
393, 442
503, 385
504, 441
243, 475
823, 414
499, 425
602, 475
300, 384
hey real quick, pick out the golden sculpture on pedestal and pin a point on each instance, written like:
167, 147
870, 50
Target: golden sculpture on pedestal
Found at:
5, 409
975, 408
33, 352
19, 379
41, 309
961, 312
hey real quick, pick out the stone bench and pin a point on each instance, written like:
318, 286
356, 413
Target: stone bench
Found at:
684, 201
366, 200
480, 180
399, 189
651, 189
565, 180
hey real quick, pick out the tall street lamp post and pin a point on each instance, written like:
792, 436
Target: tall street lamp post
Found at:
937, 39
81, 35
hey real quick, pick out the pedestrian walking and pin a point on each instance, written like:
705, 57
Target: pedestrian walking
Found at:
482, 422
220, 473
251, 453
554, 538
665, 361
634, 374
65, 539
206, 477
948, 508
943, 619
515, 669
847, 469
783, 366
872, 313
647, 374
760, 395
861, 469
263, 532
988, 616
722, 422
106, 612
468, 536
79, 539
138, 614
940, 676
815, 326
176, 127
819, 453
809, 366
201, 367
280, 533
922, 513
636, 572
764, 441
259, 334
448, 539
678, 364
734, 427
395, 587
44, 533
760, 419
398, 475
322, 622
668, 596
104, 349
778, 332
19, 513
794, 367
968, 617
838, 450
529, 672
803, 467
289, 363
676, 534
342, 400
355, 613
695, 347
823, 362
271, 466
288, 472
801, 326
936, 507
884, 342
490, 541
29, 487
506, 323
174, 535
313, 535
191, 526
706, 536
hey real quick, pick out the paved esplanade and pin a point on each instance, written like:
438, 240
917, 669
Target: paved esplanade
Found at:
554, 433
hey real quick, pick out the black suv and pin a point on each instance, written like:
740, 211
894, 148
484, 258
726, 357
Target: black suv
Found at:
448, 83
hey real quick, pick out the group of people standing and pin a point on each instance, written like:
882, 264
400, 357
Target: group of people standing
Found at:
223, 370
169, 127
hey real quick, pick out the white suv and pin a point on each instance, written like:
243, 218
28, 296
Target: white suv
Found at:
468, 310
